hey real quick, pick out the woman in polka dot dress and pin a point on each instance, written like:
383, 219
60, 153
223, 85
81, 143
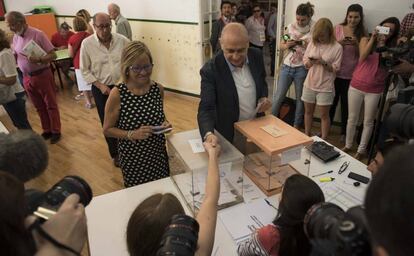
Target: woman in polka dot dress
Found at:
132, 110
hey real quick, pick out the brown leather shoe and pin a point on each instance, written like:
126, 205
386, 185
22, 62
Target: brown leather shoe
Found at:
346, 150
359, 156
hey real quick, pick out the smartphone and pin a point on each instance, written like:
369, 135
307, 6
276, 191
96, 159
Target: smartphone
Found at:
382, 30
358, 177
160, 129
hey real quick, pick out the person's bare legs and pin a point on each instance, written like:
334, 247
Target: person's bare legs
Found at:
325, 121
309, 110
88, 99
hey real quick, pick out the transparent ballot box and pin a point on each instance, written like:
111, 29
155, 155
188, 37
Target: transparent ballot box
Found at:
189, 169
270, 145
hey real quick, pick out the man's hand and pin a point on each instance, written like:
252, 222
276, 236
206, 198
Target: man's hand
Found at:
105, 90
67, 226
263, 104
33, 59
212, 139
404, 67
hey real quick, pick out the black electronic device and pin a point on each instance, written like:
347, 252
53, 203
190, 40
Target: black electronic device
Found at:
323, 151
358, 177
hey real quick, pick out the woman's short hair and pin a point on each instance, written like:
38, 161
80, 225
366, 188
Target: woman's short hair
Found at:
306, 9
129, 55
149, 221
4, 42
322, 26
79, 24
299, 194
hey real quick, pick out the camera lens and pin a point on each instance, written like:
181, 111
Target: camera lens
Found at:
69, 185
180, 237
321, 219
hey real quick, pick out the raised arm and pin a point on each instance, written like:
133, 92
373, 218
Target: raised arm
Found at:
366, 45
207, 216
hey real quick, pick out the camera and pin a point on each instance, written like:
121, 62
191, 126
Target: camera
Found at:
332, 231
180, 237
400, 120
54, 197
391, 56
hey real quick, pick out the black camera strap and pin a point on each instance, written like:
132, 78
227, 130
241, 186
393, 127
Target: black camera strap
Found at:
36, 226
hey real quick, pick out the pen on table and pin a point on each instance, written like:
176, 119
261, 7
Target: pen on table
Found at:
271, 205
326, 179
316, 175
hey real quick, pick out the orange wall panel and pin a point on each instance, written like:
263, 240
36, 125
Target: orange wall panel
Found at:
45, 22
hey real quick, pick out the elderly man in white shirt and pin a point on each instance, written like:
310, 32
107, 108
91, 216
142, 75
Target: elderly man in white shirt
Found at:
100, 66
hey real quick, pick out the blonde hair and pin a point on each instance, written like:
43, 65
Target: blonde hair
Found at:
322, 26
84, 14
131, 52
79, 24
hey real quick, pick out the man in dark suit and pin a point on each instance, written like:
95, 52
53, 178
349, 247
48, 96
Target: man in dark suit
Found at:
218, 25
233, 85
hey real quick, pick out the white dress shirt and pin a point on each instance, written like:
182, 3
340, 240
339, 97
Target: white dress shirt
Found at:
98, 63
246, 90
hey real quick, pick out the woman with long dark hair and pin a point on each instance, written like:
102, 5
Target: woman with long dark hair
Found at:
286, 236
367, 84
348, 34
296, 38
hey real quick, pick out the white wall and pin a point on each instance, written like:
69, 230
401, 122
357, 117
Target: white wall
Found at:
375, 10
174, 10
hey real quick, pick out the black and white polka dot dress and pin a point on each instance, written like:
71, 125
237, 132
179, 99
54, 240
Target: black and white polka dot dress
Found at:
142, 160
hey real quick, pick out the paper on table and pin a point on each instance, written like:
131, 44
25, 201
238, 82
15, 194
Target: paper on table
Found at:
290, 155
33, 49
241, 220
196, 145
337, 195
273, 130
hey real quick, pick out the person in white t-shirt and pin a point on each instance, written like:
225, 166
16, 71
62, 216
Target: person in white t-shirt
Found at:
12, 95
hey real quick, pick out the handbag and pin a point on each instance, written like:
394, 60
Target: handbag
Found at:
7, 94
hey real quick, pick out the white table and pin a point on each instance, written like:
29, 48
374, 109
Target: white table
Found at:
108, 214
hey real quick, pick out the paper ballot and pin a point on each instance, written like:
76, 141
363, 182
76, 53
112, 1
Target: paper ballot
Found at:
33, 49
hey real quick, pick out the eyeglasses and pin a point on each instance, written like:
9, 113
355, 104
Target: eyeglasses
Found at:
103, 26
138, 69
343, 167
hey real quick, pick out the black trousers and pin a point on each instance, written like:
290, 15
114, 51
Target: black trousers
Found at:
341, 91
100, 101
17, 111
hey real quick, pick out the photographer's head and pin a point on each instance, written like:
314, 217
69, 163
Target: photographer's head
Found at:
148, 222
14, 237
383, 150
298, 195
389, 204
23, 154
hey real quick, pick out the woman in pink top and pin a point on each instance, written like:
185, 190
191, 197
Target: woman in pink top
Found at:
323, 59
286, 236
367, 84
348, 34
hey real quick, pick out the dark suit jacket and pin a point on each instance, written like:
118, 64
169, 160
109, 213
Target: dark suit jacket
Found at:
219, 105
216, 29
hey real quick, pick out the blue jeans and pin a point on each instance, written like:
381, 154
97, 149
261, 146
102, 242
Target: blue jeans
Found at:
16, 109
286, 77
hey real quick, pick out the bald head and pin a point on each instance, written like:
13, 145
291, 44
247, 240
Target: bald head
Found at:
102, 25
234, 42
234, 31
114, 10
